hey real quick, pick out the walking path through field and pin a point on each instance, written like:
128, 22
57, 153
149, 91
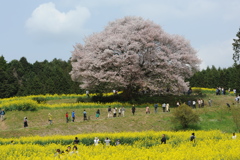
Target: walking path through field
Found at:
3, 125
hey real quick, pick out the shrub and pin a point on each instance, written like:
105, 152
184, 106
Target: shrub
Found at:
40, 99
198, 91
81, 99
184, 116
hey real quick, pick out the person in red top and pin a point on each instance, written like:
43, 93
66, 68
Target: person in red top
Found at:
67, 117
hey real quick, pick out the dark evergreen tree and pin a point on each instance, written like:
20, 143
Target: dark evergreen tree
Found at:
236, 48
8, 83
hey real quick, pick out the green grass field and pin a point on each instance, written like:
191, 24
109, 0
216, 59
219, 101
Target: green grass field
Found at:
216, 117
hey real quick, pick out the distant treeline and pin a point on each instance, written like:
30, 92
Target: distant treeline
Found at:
21, 78
212, 78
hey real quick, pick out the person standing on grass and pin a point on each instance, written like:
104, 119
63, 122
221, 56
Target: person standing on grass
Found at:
25, 122
73, 116
133, 110
202, 103
178, 104
2, 114
87, 93
119, 112
114, 112
97, 114
167, 107
209, 102
66, 115
156, 107
123, 111
84, 115
50, 118
164, 107
109, 111
163, 140
199, 103
147, 110
194, 103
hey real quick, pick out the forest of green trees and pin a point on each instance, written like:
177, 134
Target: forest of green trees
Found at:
21, 78
225, 78
212, 77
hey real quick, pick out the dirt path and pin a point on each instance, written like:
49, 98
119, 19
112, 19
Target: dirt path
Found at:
3, 125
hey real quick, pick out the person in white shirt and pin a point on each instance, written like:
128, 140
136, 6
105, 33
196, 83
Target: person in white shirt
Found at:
194, 104
96, 140
107, 141
234, 136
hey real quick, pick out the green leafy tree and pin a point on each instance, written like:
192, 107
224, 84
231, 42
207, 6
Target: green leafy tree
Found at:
184, 115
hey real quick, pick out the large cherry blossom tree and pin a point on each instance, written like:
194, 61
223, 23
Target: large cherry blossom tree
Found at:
132, 53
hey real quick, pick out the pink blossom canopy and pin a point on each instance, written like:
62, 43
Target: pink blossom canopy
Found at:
133, 52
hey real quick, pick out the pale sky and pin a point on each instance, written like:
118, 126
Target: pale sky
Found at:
46, 29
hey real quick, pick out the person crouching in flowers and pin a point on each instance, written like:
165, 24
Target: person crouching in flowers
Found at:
74, 151
68, 150
117, 142
57, 154
234, 136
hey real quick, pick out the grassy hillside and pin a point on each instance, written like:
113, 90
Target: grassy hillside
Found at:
216, 117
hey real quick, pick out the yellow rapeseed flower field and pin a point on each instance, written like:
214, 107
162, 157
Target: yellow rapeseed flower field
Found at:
20, 102
209, 145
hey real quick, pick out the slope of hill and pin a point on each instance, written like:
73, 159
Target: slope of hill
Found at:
216, 117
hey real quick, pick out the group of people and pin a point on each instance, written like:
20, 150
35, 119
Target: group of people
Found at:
165, 108
198, 103
114, 112
107, 141
69, 151
220, 91
74, 150
237, 98
194, 104
118, 112
73, 115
